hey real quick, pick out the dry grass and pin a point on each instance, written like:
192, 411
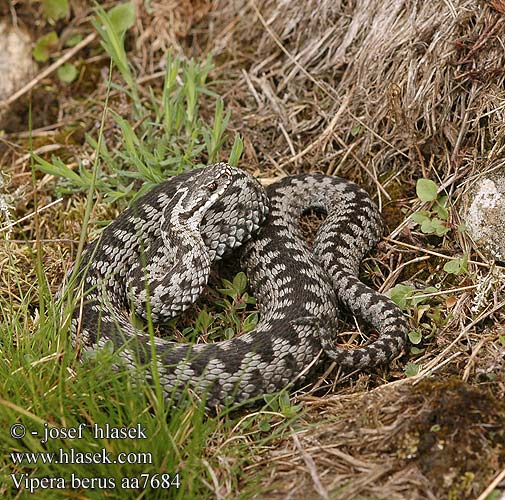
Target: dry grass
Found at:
382, 92
394, 84
400, 440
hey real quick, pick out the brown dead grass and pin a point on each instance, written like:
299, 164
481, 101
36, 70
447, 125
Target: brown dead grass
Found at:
389, 84
402, 440
382, 92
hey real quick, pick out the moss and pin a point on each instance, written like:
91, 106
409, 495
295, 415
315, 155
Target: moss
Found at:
456, 436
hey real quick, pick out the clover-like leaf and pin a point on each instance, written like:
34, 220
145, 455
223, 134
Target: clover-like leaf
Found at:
399, 294
42, 49
415, 337
67, 73
456, 266
55, 9
427, 226
426, 190
420, 216
122, 16
412, 369
439, 228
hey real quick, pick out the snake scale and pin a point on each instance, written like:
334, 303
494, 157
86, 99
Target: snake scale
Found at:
158, 253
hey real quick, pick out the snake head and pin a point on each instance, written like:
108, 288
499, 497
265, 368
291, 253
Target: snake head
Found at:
195, 196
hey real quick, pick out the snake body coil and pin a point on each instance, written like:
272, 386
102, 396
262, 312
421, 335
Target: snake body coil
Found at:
158, 253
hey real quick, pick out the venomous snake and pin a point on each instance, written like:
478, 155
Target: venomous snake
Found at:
157, 255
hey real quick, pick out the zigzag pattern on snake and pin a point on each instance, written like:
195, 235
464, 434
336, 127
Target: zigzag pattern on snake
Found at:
161, 249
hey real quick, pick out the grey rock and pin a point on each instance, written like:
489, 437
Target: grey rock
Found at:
16, 64
485, 215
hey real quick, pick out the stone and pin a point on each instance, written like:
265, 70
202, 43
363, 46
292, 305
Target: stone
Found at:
485, 215
16, 64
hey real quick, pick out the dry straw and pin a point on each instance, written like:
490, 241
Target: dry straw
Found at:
414, 84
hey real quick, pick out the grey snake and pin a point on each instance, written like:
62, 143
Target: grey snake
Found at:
156, 256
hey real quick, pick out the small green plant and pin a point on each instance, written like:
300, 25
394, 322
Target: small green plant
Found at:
281, 403
55, 9
434, 220
406, 296
426, 314
112, 27
411, 369
457, 266
356, 129
278, 412
170, 135
232, 317
44, 45
233, 307
67, 73
496, 494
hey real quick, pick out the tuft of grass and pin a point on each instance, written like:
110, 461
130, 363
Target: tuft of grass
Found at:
46, 390
164, 135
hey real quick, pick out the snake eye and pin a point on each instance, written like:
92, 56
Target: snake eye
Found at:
212, 186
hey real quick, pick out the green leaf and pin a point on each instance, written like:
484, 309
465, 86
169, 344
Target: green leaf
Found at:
399, 295
427, 227
272, 401
236, 150
104, 351
442, 212
113, 43
411, 369
426, 190
284, 400
214, 140
356, 130
496, 494
501, 338
41, 51
250, 322
67, 73
240, 283
122, 17
420, 216
420, 296
229, 333
440, 207
434, 226
439, 227
264, 426
247, 299
203, 321
73, 40
415, 337
456, 266
55, 9
58, 168
415, 350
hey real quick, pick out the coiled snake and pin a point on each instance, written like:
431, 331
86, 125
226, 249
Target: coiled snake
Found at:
158, 253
